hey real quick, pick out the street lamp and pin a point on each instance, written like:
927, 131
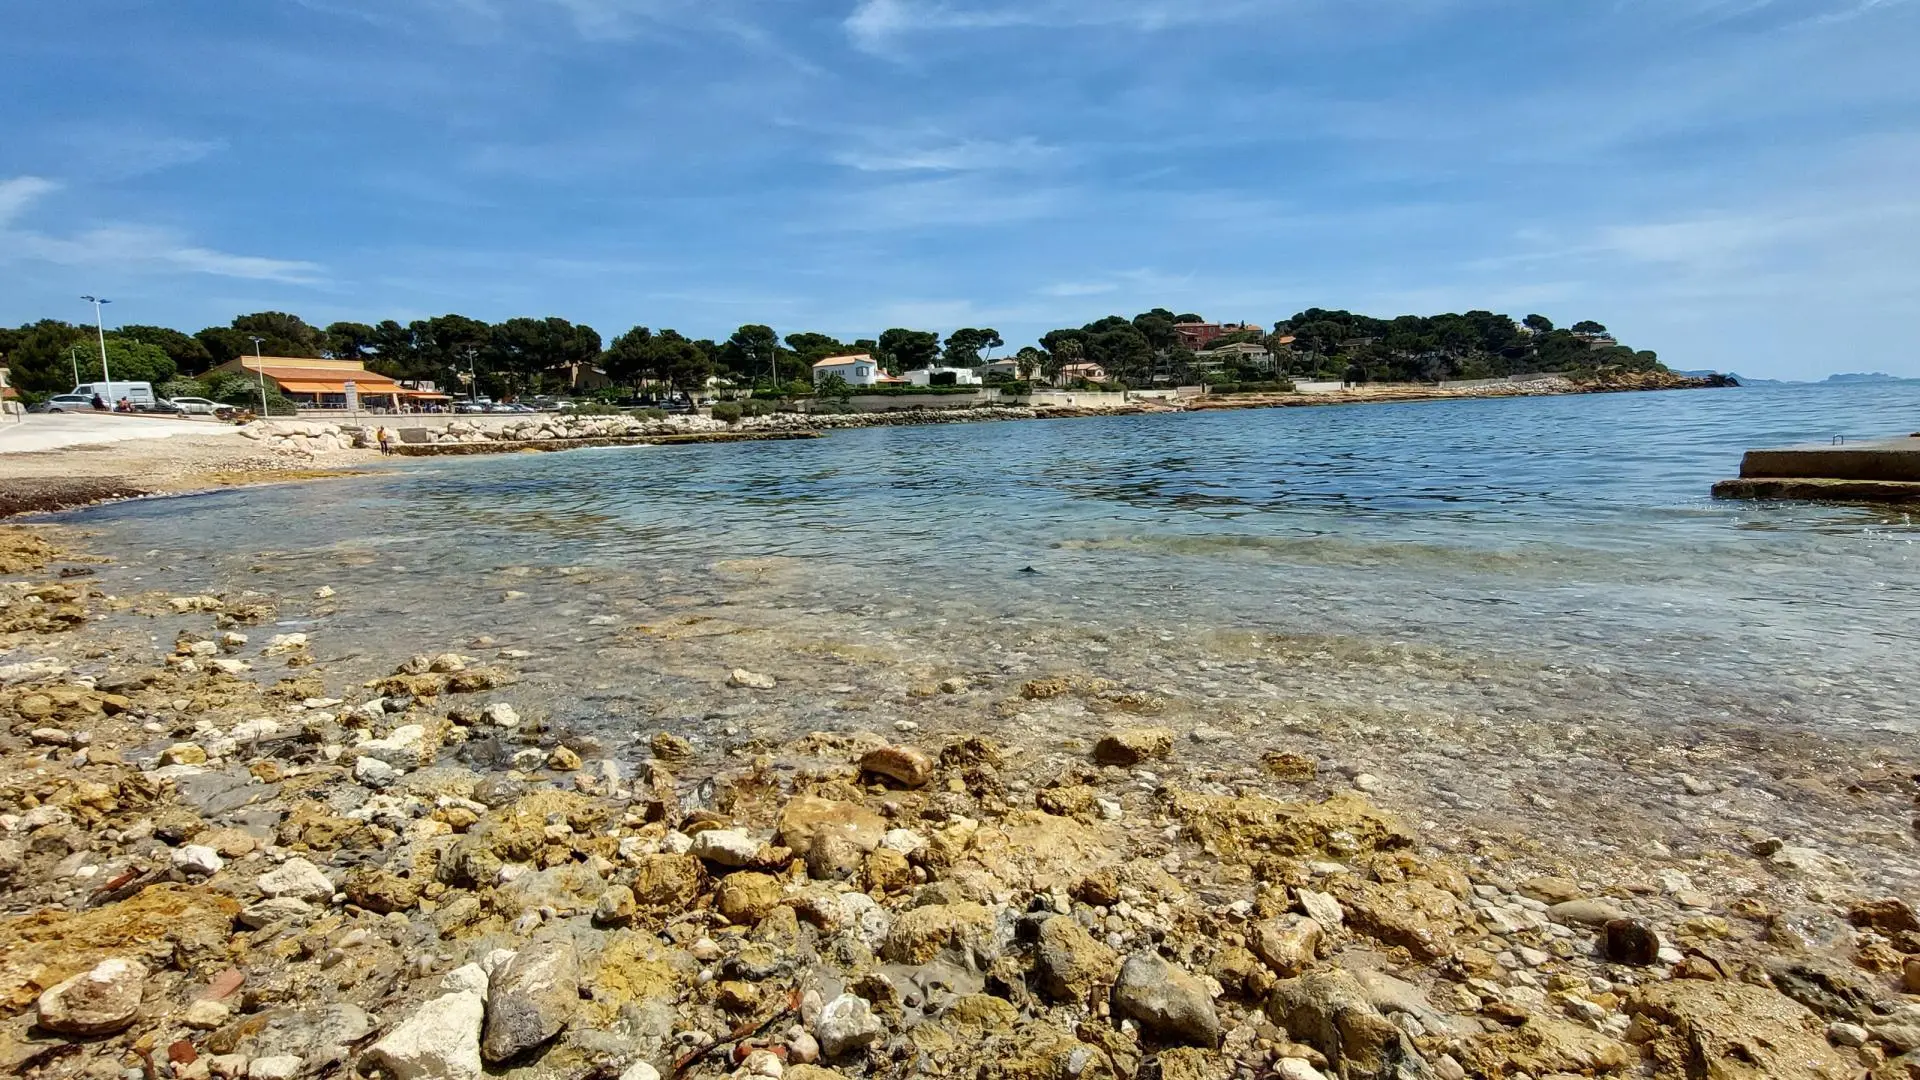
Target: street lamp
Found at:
100, 325
260, 368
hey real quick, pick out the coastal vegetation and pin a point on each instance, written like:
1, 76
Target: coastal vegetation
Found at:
528, 355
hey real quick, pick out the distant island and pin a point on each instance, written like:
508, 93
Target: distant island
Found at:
1844, 379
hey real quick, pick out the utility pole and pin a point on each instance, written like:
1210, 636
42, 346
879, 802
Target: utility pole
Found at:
260, 368
99, 324
73, 354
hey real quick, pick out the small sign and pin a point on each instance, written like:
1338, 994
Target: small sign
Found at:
353, 396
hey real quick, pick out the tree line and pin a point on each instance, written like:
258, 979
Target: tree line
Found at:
527, 355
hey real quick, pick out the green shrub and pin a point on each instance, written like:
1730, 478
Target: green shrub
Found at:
652, 414
728, 412
1015, 387
597, 408
751, 407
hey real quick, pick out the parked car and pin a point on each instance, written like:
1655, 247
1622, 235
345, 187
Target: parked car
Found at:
162, 405
469, 407
65, 403
198, 406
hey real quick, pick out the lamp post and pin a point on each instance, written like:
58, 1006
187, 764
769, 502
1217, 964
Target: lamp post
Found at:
99, 325
260, 369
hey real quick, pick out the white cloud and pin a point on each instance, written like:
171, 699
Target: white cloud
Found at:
16, 194
966, 156
873, 24
146, 249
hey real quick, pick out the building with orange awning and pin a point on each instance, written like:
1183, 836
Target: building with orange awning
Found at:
322, 384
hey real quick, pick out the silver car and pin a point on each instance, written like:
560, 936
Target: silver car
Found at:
198, 406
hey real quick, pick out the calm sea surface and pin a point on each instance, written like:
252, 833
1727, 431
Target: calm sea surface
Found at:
1481, 599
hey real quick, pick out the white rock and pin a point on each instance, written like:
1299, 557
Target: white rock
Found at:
281, 644
374, 773
405, 747
440, 1041
1297, 1069
264, 912
750, 680
274, 1067
1321, 908
846, 1024
197, 860
262, 728
904, 841
501, 714
640, 1070
467, 978
299, 879
229, 666
726, 847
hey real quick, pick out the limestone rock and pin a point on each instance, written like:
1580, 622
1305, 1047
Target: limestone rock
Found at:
1133, 746
920, 934
100, 1001
746, 898
846, 1025
1547, 1045
667, 882
1168, 1003
807, 816
1288, 944
299, 879
904, 765
381, 891
440, 1041
197, 860
1586, 912
750, 680
530, 1000
1073, 967
1330, 1011
1736, 1031
404, 748
726, 847
1551, 890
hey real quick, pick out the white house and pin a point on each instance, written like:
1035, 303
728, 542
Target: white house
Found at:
961, 376
859, 370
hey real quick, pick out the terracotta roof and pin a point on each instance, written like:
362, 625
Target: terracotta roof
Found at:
297, 379
837, 361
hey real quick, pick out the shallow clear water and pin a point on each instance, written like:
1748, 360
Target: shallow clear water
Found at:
1425, 589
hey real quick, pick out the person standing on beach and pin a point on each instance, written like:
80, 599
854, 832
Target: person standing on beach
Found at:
384, 440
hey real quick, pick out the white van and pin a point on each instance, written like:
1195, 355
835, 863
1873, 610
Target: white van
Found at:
137, 394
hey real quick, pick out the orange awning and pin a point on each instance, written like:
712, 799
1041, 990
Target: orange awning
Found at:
308, 386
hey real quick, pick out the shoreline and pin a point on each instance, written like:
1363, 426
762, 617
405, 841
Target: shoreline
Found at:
75, 477
303, 869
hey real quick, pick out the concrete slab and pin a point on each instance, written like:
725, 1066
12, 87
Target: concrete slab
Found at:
1879, 459
1876, 470
51, 431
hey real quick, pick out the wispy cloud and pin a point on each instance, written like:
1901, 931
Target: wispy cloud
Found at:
873, 24
145, 249
20, 192
1079, 288
967, 155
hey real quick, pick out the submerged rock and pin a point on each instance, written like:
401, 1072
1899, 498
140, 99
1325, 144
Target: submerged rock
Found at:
1133, 746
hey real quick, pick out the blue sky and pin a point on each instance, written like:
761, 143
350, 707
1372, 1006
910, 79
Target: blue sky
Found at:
1729, 182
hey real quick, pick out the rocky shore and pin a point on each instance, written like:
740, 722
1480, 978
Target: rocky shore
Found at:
221, 859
